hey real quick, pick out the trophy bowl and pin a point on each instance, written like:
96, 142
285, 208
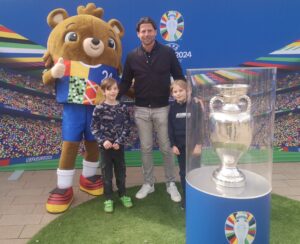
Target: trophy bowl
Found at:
230, 131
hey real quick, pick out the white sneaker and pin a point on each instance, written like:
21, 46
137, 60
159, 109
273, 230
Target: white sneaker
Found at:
172, 190
144, 191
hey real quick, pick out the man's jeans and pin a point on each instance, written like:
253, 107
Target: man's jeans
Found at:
149, 120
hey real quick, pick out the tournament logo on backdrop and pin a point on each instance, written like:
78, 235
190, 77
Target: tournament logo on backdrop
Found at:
240, 227
171, 30
171, 26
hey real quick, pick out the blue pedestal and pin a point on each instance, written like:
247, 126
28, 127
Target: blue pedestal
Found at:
216, 216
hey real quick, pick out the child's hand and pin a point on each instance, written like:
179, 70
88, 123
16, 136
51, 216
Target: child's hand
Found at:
107, 144
197, 150
176, 150
116, 146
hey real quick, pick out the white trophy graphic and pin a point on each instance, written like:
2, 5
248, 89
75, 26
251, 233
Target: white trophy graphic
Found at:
241, 227
171, 25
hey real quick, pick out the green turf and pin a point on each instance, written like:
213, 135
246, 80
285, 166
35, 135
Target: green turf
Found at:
285, 220
154, 220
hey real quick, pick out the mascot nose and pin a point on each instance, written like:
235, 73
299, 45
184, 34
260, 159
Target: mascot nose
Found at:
93, 47
95, 41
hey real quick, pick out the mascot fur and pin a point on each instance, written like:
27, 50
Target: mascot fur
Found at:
82, 50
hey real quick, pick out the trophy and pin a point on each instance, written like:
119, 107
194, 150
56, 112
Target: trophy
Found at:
230, 132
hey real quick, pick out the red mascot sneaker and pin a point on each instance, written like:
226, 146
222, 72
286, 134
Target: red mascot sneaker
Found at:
59, 200
92, 185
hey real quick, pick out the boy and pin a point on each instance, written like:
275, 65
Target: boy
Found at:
110, 126
177, 129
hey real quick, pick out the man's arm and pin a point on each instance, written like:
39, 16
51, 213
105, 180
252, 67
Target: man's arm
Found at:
176, 70
126, 80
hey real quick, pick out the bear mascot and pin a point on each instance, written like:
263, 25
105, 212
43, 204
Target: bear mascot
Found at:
82, 50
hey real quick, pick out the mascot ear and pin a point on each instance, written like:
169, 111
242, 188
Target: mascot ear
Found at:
117, 27
56, 16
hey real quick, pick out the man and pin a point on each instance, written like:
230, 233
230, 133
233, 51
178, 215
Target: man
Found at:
151, 65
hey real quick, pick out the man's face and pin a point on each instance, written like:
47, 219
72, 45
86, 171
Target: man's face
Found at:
147, 34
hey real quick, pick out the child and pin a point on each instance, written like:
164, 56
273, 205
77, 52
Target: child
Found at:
110, 126
177, 129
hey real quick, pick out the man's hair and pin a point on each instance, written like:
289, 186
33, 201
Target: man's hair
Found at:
107, 83
145, 20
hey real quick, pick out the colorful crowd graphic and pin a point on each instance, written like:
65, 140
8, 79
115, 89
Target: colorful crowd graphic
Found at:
30, 117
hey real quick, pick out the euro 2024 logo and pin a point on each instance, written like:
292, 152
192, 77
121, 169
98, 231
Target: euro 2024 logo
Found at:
240, 227
171, 30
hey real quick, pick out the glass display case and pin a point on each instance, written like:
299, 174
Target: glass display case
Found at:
229, 152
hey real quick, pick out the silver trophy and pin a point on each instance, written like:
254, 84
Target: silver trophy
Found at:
231, 132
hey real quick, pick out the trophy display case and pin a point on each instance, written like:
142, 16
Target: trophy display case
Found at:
229, 154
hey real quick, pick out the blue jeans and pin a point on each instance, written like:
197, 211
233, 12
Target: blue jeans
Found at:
149, 120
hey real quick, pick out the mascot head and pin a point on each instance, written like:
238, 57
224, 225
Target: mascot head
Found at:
84, 37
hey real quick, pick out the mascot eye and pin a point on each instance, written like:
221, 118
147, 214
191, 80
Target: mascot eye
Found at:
71, 37
111, 43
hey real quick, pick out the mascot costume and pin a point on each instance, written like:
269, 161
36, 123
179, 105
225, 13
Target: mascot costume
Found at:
82, 50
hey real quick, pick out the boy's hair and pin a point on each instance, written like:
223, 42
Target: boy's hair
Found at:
181, 83
107, 83
145, 20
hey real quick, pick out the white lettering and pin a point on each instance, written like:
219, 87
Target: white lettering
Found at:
183, 115
39, 158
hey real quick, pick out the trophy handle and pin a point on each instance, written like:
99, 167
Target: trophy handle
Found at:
248, 102
212, 101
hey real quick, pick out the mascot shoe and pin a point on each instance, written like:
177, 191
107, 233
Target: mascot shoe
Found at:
92, 185
59, 200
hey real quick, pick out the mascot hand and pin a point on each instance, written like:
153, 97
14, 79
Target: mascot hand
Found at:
58, 70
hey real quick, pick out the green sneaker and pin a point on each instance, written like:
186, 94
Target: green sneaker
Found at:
126, 201
108, 206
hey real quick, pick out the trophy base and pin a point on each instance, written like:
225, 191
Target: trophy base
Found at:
211, 215
229, 177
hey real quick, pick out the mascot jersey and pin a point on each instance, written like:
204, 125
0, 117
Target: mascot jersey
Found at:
80, 82
77, 91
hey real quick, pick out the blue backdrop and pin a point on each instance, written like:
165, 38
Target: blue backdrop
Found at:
216, 33
211, 33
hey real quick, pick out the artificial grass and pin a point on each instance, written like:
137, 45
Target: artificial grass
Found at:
154, 220
285, 220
